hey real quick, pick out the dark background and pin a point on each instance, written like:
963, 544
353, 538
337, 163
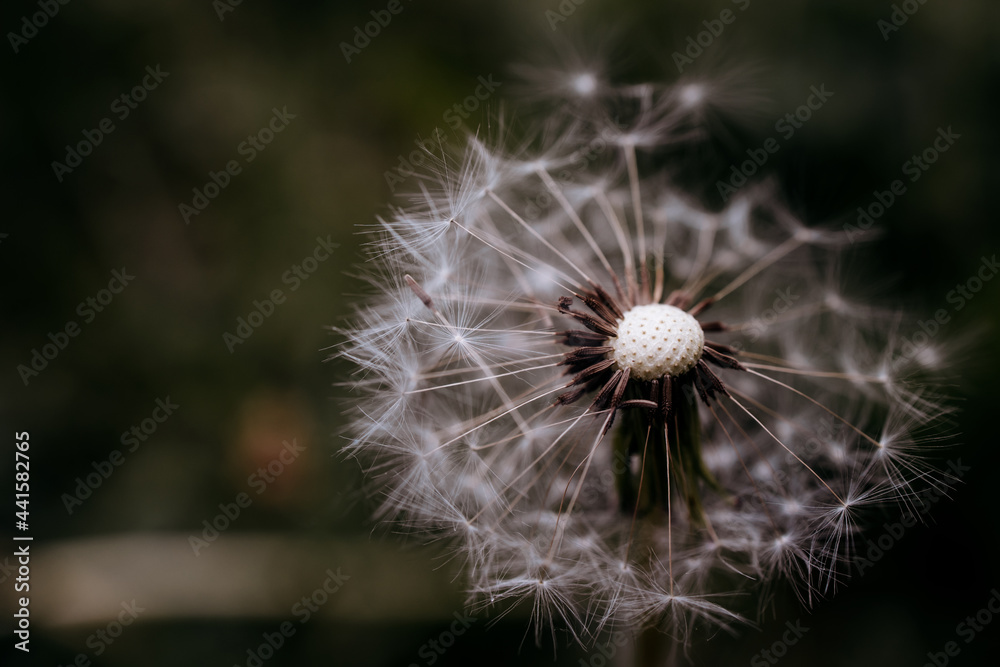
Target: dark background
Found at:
323, 175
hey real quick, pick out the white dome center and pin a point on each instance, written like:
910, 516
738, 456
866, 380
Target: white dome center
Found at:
656, 340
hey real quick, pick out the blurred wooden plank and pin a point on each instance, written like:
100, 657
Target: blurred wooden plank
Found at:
240, 575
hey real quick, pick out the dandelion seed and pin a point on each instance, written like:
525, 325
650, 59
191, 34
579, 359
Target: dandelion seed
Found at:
556, 375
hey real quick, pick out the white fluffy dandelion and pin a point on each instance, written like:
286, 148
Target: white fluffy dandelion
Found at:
616, 405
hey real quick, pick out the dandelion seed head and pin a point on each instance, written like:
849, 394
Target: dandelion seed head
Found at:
656, 340
615, 402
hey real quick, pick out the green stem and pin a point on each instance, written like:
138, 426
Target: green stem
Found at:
680, 460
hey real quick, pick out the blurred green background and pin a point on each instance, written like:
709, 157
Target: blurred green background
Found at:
228, 68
